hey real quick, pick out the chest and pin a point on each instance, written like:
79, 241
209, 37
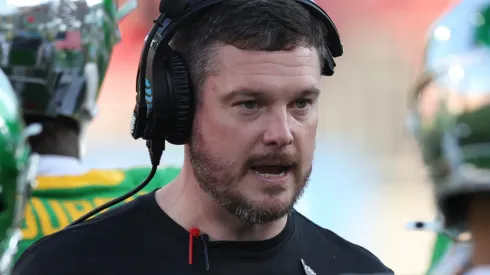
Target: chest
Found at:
216, 267
175, 260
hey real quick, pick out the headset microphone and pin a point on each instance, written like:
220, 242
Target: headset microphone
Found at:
164, 108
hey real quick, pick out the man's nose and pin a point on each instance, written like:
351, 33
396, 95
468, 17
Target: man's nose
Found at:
278, 132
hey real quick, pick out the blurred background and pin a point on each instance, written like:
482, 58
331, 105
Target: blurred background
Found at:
368, 180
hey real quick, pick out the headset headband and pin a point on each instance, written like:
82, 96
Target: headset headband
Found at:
183, 9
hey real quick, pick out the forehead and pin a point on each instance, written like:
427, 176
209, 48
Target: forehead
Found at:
295, 69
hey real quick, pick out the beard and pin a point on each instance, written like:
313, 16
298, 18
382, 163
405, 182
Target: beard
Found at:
220, 180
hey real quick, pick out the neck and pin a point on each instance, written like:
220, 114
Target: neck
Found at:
68, 147
479, 222
185, 202
58, 137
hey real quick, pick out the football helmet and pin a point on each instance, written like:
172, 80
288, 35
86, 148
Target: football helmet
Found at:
462, 28
450, 108
56, 52
17, 170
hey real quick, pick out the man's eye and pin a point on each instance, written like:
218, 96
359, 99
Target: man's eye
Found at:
250, 104
302, 103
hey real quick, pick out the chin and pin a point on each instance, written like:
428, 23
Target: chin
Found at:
274, 203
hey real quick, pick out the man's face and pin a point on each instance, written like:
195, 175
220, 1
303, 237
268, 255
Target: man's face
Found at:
254, 131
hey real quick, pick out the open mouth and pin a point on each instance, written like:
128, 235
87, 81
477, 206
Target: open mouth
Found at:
271, 170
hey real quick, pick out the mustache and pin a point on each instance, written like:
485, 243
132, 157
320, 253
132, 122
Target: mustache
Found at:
280, 158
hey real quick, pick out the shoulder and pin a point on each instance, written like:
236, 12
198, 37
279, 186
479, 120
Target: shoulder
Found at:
79, 248
67, 250
349, 252
54, 254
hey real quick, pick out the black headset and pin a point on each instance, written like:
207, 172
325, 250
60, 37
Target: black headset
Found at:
167, 114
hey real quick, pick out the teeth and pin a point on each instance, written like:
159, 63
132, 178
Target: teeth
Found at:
271, 175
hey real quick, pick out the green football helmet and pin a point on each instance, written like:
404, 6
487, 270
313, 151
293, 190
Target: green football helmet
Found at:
17, 170
450, 108
56, 52
463, 28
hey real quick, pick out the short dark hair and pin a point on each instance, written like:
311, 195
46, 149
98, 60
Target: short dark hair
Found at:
264, 25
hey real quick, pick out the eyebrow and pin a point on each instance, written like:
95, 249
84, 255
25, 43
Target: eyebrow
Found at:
311, 92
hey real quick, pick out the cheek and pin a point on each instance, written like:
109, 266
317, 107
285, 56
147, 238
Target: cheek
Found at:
222, 135
309, 141
217, 127
306, 138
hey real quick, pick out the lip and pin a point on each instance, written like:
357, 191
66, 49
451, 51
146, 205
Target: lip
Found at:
272, 179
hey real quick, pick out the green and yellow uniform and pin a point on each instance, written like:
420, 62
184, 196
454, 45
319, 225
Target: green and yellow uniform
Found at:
57, 201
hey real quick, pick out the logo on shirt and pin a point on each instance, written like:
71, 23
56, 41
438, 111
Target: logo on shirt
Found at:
308, 270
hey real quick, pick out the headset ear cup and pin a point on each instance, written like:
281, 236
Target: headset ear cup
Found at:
184, 101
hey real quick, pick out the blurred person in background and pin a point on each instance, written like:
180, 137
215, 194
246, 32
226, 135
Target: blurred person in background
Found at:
56, 55
451, 115
17, 167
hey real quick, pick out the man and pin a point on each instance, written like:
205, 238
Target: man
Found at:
451, 111
256, 67
16, 173
58, 79
460, 30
